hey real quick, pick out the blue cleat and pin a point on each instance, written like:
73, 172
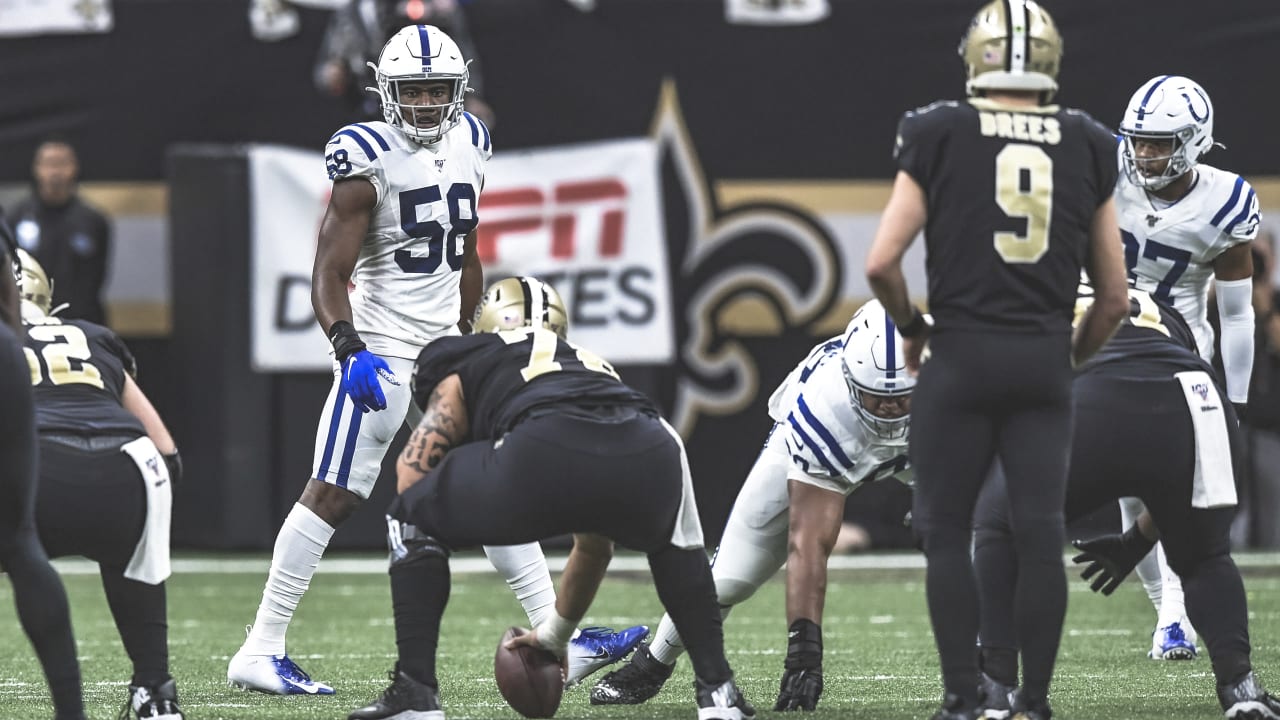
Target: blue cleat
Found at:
272, 674
1173, 642
595, 647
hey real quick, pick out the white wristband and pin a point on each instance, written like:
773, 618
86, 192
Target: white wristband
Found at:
554, 633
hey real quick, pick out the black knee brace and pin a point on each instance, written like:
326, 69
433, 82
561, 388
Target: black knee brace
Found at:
408, 544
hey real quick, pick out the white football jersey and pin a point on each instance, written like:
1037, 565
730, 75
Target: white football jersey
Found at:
407, 275
824, 436
1169, 251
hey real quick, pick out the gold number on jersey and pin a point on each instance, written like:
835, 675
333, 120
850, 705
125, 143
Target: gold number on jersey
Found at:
66, 356
1143, 311
542, 356
1032, 201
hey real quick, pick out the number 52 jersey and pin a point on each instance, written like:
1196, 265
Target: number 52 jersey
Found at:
407, 274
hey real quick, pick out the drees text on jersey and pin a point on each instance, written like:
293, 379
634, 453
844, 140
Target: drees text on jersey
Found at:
1020, 126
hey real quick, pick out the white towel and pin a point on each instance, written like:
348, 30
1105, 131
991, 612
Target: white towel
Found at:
1214, 485
150, 561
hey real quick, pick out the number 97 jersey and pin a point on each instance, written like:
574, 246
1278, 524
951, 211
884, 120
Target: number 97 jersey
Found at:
407, 274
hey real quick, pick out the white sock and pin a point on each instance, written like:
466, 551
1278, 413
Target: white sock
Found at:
1149, 568
299, 546
1172, 604
525, 568
666, 645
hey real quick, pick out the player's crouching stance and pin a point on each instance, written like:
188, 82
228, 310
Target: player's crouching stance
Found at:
842, 418
526, 436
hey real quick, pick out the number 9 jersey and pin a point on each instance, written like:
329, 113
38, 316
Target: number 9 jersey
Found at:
1021, 188
407, 274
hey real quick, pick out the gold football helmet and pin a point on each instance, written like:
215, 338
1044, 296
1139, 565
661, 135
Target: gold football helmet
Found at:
518, 302
1012, 45
34, 285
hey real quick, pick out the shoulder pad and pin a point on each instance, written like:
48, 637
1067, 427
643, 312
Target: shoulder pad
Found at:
479, 133
1239, 215
352, 150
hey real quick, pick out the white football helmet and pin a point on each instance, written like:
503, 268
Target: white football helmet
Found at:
1168, 107
874, 364
35, 287
419, 53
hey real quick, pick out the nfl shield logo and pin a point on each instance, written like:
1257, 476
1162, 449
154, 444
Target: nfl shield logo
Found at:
1202, 390
440, 164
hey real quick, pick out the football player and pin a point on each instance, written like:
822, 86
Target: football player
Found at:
527, 436
1014, 196
107, 469
841, 418
38, 594
1183, 223
399, 228
1182, 464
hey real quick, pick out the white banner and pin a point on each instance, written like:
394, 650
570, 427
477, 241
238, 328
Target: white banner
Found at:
586, 218
44, 17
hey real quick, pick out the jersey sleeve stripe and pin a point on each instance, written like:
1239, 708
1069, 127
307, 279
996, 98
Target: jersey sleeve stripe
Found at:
1244, 212
382, 143
1235, 195
364, 144
808, 441
478, 129
823, 433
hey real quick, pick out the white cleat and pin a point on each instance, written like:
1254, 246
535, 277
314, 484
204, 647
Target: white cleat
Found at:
272, 674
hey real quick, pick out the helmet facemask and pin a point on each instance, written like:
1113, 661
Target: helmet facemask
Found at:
420, 54
885, 428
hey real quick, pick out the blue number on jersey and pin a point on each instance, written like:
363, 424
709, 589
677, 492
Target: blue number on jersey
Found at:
1155, 250
888, 468
337, 164
439, 246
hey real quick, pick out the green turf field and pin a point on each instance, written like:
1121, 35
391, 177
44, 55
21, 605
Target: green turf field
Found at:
880, 662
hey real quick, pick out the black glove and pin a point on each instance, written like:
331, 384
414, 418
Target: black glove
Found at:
802, 679
1111, 558
173, 462
801, 688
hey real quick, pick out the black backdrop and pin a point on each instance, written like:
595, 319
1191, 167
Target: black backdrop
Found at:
812, 102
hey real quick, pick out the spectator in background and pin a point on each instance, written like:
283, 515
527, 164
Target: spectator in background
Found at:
356, 34
67, 236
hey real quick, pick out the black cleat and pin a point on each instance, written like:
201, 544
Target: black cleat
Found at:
158, 702
404, 699
996, 697
953, 708
637, 681
722, 702
1023, 708
1246, 699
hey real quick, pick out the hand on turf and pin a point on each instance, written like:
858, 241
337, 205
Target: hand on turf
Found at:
801, 688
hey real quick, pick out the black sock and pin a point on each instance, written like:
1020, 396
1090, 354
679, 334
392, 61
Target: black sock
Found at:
688, 592
1217, 608
999, 664
42, 607
140, 613
419, 593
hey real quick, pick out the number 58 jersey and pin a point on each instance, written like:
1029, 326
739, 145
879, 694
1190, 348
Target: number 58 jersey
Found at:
407, 274
1169, 250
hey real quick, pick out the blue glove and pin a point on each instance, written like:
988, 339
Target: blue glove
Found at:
360, 375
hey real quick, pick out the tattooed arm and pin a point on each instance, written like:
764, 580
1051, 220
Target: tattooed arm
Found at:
444, 424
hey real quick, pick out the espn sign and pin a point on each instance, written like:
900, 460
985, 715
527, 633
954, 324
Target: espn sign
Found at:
587, 219
584, 218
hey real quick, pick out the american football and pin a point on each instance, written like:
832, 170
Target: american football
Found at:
530, 679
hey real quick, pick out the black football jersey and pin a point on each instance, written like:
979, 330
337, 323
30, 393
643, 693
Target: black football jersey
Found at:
77, 370
507, 373
1011, 194
1153, 342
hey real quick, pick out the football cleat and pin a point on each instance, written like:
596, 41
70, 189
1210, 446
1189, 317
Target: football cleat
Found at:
996, 697
722, 702
637, 681
595, 647
159, 702
953, 708
1173, 642
1023, 708
1246, 699
272, 674
404, 699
